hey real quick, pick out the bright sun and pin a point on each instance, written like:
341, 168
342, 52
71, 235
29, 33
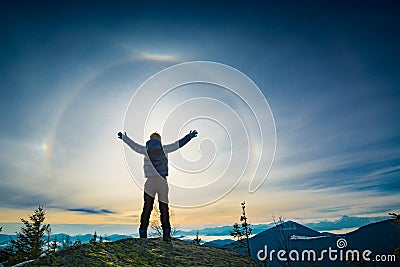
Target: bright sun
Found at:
45, 147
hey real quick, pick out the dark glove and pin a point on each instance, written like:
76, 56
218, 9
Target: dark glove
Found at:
192, 134
120, 135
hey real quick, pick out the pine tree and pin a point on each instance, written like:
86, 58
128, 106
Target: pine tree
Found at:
237, 233
246, 227
29, 241
396, 218
242, 232
93, 240
197, 240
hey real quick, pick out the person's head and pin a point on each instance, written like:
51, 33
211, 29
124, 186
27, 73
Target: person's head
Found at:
155, 136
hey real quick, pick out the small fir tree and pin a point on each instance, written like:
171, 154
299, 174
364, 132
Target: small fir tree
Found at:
242, 232
29, 241
197, 240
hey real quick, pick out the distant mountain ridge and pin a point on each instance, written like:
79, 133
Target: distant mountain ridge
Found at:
345, 222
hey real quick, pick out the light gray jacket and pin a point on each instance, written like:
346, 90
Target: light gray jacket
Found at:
149, 170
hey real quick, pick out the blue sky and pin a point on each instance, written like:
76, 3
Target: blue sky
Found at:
328, 70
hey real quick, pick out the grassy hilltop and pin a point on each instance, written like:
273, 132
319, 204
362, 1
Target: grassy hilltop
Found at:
144, 252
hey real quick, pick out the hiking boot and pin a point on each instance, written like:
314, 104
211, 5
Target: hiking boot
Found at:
166, 238
143, 233
167, 235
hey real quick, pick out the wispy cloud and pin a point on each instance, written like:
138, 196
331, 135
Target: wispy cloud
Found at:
92, 211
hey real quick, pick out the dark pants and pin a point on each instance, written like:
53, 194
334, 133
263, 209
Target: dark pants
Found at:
145, 217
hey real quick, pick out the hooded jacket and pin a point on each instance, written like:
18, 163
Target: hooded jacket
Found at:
155, 154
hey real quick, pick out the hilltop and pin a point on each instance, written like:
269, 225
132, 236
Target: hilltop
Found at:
144, 252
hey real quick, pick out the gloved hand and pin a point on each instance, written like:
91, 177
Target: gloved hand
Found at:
120, 135
193, 134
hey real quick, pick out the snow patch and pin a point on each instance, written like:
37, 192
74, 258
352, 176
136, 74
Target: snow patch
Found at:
299, 237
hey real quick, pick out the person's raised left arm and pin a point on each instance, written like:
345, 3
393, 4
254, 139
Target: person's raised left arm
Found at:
180, 143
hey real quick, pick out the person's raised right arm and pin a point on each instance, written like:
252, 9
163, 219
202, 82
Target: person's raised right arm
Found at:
132, 144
